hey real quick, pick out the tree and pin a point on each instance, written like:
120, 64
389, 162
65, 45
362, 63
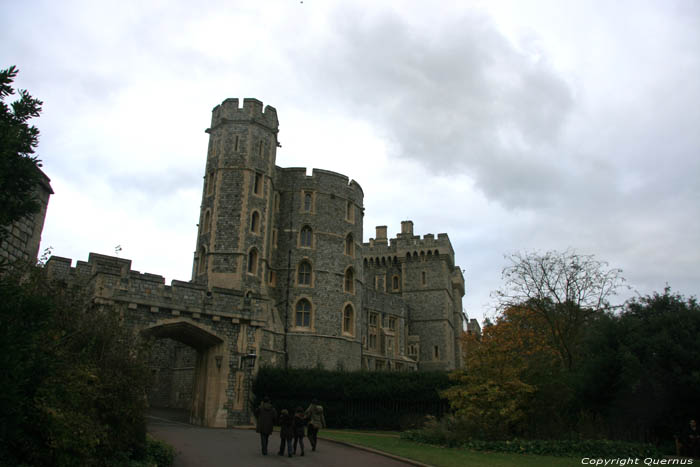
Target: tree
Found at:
505, 369
565, 289
19, 174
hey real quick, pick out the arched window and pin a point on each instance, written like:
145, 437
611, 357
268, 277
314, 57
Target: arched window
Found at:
308, 198
302, 317
349, 245
207, 221
255, 222
408, 256
306, 236
349, 281
395, 282
253, 261
304, 273
349, 211
366, 263
210, 183
348, 320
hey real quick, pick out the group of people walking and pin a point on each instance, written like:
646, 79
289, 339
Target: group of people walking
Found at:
291, 426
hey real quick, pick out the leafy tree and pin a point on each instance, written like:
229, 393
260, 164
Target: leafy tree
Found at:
504, 371
18, 140
565, 289
641, 369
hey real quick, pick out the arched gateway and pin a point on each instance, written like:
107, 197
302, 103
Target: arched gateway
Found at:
223, 327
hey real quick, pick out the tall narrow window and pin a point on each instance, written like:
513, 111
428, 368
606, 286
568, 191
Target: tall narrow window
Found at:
348, 320
349, 211
235, 143
423, 278
395, 283
253, 261
304, 273
258, 184
255, 222
436, 352
306, 236
202, 267
308, 198
210, 183
349, 245
303, 313
260, 148
349, 281
207, 221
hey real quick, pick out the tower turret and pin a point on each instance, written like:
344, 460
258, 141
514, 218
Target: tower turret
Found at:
236, 212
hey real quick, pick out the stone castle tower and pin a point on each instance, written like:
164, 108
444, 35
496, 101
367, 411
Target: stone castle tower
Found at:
294, 242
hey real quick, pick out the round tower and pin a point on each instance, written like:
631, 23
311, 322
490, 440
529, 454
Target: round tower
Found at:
236, 213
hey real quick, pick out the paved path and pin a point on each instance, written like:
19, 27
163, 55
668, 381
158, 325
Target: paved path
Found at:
214, 447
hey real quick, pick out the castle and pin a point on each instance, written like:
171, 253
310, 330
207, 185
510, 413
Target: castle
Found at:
280, 274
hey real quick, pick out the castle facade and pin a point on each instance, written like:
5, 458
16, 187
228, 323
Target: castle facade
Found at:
295, 241
280, 277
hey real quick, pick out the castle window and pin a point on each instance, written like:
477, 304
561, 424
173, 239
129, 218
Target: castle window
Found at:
349, 211
373, 319
202, 266
255, 222
304, 273
253, 261
373, 339
392, 323
436, 353
210, 183
273, 278
258, 184
349, 281
303, 314
274, 238
306, 237
308, 201
395, 283
348, 320
207, 221
349, 245
260, 148
423, 277
235, 143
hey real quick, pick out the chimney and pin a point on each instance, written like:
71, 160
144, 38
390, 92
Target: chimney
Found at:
407, 228
381, 232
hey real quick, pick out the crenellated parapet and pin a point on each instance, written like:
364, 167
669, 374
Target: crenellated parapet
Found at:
332, 183
407, 246
111, 280
251, 112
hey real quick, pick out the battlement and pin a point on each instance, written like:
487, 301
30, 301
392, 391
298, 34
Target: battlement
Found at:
325, 180
252, 111
406, 242
115, 281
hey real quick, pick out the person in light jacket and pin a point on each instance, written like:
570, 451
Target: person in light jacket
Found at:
314, 413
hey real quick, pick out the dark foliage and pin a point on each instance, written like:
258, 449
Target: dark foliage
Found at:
73, 379
19, 174
361, 399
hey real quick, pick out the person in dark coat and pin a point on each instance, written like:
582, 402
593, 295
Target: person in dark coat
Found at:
690, 440
314, 413
286, 432
266, 416
299, 424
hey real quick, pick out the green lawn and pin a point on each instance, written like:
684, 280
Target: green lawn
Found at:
443, 457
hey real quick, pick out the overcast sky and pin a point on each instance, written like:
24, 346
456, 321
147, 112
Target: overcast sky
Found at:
511, 126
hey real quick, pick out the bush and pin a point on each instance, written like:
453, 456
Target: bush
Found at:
451, 432
357, 399
73, 378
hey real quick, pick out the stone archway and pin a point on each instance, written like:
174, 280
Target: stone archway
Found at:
211, 368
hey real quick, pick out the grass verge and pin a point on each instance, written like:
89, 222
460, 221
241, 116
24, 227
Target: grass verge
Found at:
443, 457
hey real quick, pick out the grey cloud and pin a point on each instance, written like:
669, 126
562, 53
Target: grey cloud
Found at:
458, 97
